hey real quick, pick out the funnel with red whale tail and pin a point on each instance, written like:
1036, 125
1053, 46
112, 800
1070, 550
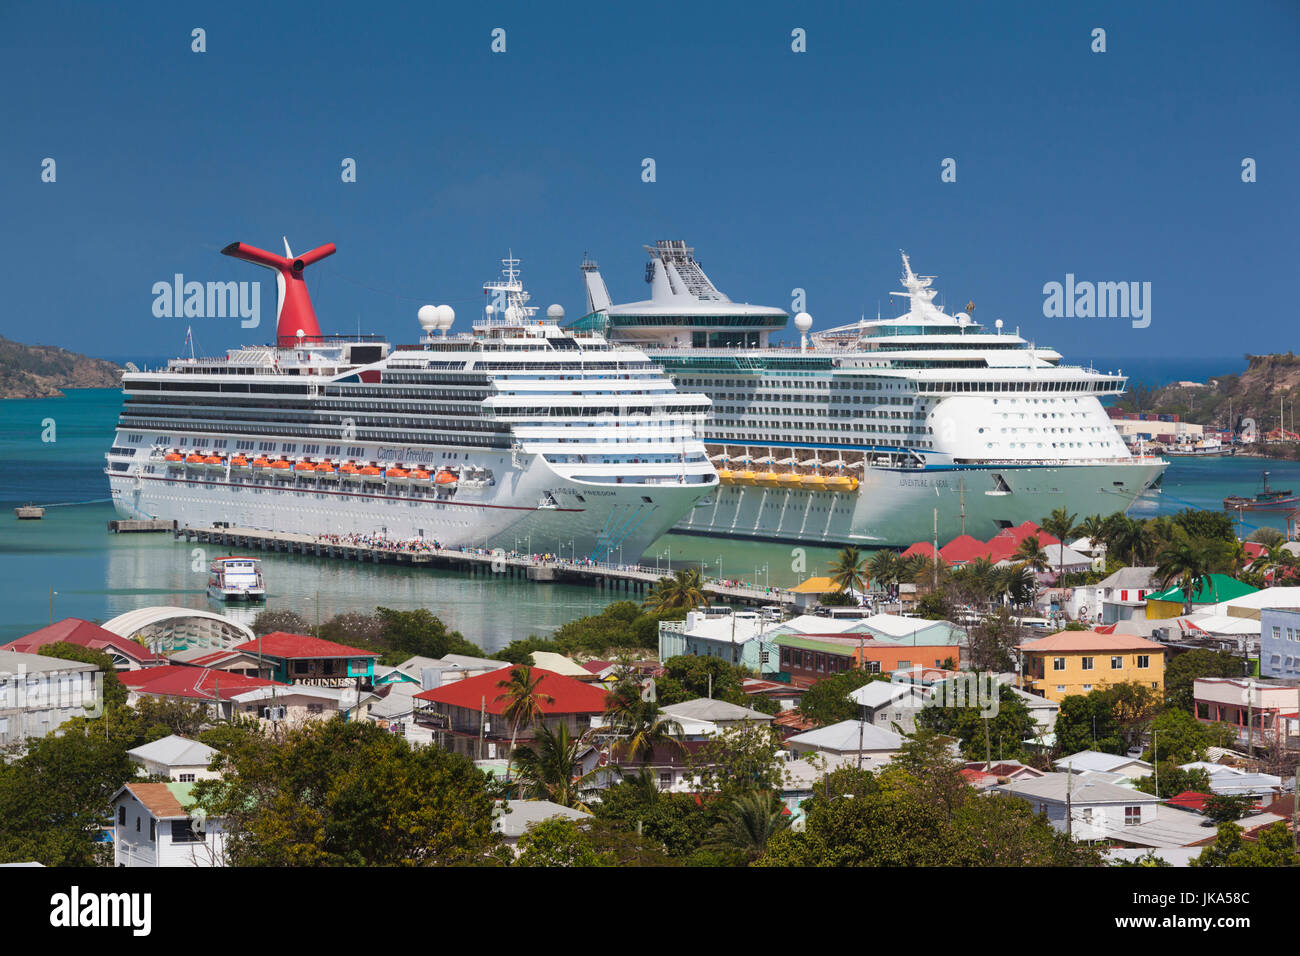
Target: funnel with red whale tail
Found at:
294, 315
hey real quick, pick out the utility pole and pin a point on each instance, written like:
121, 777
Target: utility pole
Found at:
936, 550
1155, 756
1069, 812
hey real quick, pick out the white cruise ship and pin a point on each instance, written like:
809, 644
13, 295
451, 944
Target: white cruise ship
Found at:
519, 434
868, 433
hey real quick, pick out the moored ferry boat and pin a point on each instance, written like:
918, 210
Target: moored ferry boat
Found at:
877, 429
236, 579
514, 431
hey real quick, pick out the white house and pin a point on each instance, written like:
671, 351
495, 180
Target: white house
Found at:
513, 818
706, 717
38, 693
843, 742
1086, 761
1097, 809
177, 758
153, 826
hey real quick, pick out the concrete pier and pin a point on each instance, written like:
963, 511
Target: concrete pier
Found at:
627, 579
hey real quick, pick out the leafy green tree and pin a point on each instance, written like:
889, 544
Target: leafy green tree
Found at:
680, 822
827, 701
622, 626
1182, 670
1174, 780
1179, 737
354, 630
520, 650
1228, 808
337, 793
1206, 525
419, 633
742, 757
1110, 720
559, 842
54, 799
1272, 846
1000, 736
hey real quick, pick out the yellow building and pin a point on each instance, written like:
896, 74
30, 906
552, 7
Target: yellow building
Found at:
1079, 662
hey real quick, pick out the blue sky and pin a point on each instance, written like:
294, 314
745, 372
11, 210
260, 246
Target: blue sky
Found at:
784, 170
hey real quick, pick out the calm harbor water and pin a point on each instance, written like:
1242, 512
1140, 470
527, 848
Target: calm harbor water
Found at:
98, 575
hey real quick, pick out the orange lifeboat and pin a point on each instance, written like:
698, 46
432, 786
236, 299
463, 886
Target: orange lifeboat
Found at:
173, 456
420, 476
305, 466
281, 464
239, 461
325, 468
214, 462
194, 458
444, 477
371, 473
261, 462
397, 473
350, 471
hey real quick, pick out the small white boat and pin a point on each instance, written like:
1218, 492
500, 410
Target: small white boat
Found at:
236, 579
29, 512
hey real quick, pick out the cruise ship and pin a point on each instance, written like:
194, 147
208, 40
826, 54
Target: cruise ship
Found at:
879, 433
517, 434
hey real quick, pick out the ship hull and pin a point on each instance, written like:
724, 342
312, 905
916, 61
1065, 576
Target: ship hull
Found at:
897, 507
529, 508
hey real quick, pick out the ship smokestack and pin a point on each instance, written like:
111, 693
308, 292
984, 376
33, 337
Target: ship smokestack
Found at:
294, 315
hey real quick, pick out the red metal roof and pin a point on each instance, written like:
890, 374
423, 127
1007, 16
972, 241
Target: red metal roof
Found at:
568, 696
297, 646
964, 548
923, 548
1190, 800
74, 630
196, 683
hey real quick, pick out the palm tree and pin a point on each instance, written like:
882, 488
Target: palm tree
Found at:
1187, 564
523, 702
1014, 583
1060, 525
883, 568
749, 821
1094, 528
848, 570
637, 724
979, 575
683, 591
1030, 555
1124, 536
547, 769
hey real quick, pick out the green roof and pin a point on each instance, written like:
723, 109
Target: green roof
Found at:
1218, 587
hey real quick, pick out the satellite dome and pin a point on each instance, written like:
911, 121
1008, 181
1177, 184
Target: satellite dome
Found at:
428, 316
963, 318
803, 321
998, 325
446, 316
555, 312
489, 309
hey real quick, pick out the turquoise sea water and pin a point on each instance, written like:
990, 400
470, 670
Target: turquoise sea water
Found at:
98, 575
